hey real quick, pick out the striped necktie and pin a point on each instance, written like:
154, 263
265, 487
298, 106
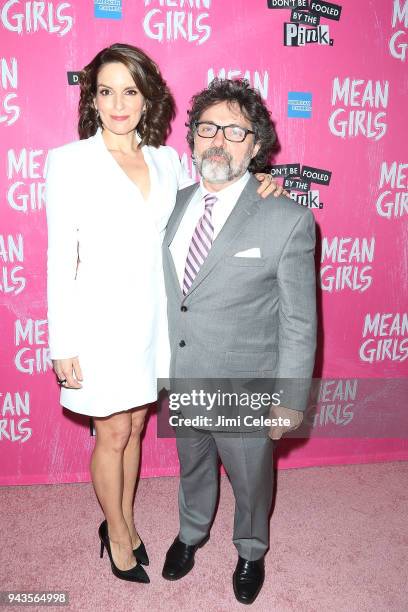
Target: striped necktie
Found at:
200, 244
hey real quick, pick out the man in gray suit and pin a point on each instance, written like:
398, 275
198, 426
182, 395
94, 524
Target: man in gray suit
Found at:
240, 282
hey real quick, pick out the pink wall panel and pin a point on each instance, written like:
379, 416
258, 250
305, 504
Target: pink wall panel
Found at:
350, 77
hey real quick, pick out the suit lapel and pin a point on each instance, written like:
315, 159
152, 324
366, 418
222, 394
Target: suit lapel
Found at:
183, 199
247, 205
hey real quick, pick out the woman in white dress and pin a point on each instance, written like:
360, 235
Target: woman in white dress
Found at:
109, 196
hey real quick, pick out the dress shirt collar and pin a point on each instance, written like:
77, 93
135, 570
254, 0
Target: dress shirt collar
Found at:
230, 193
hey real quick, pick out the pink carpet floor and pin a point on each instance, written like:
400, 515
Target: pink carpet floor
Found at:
338, 544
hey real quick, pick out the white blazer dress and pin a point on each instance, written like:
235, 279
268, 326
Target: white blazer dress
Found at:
106, 296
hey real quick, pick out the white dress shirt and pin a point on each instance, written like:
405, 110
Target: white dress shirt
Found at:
226, 200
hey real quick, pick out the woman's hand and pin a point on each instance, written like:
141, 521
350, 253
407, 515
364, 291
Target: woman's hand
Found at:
268, 186
68, 372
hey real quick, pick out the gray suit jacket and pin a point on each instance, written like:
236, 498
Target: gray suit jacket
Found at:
248, 317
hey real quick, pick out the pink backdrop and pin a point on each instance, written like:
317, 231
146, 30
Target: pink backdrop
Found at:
357, 132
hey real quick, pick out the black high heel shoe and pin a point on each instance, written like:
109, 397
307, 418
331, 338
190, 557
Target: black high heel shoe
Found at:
141, 554
134, 574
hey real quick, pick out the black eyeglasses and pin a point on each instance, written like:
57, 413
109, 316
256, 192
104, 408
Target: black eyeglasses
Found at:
234, 133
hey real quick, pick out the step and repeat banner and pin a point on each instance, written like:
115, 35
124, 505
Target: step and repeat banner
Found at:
335, 79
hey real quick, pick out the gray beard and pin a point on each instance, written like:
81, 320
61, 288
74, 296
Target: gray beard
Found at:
220, 171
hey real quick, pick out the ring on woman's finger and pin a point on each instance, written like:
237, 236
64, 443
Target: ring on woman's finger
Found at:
62, 382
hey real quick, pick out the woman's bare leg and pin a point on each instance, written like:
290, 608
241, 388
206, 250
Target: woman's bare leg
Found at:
107, 465
131, 459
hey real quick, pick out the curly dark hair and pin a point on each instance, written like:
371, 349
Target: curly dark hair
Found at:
154, 125
252, 107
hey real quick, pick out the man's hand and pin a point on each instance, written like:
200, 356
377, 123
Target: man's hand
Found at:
288, 420
268, 186
68, 372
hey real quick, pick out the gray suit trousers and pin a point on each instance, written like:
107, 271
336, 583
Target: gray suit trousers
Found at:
248, 461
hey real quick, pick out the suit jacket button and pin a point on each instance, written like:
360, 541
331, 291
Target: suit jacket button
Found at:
182, 343
183, 309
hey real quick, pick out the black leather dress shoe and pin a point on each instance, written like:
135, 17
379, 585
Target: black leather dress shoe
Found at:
248, 579
180, 559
